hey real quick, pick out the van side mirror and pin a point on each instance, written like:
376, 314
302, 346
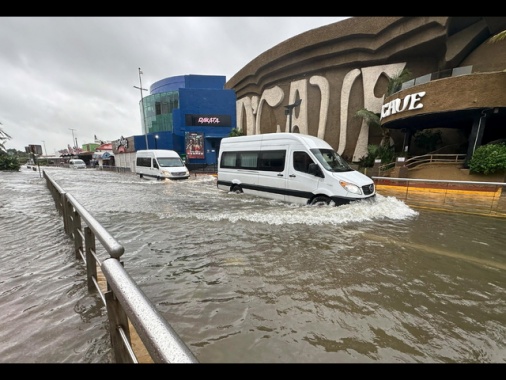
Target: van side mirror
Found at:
315, 170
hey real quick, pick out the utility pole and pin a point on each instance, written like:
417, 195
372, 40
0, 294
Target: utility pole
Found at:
73, 139
142, 105
45, 151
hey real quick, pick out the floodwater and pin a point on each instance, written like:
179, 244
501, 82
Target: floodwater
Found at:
249, 280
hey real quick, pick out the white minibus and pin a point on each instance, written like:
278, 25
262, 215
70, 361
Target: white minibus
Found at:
160, 164
77, 163
290, 167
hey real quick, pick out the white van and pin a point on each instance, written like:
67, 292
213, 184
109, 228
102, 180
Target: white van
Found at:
77, 163
290, 167
160, 164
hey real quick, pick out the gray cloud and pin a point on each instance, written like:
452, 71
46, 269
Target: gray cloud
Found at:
63, 73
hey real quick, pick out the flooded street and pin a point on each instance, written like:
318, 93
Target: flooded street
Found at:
250, 280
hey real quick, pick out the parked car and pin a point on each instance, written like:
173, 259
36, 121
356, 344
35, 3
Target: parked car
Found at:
77, 164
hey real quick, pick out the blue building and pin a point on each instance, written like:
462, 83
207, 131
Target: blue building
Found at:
189, 114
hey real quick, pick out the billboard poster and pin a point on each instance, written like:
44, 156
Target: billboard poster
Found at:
194, 142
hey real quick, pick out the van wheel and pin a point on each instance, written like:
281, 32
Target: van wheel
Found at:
237, 189
321, 200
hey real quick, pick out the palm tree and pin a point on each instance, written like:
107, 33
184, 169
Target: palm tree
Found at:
373, 120
395, 82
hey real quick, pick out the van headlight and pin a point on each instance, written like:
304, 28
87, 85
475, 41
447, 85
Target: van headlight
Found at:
350, 187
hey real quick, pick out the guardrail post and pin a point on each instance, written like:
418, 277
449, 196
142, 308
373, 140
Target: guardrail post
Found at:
76, 228
118, 321
375, 171
91, 264
67, 208
401, 167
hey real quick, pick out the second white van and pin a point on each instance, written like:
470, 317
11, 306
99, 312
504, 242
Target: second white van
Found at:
290, 167
160, 164
77, 163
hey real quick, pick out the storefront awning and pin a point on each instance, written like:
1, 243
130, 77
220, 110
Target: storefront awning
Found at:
102, 155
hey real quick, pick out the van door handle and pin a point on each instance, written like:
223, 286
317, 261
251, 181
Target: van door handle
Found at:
292, 175
280, 174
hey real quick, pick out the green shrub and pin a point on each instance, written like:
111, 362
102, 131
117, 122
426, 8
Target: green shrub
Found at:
8, 162
386, 154
236, 132
488, 159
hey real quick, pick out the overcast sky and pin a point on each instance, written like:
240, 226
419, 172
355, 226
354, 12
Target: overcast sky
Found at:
65, 78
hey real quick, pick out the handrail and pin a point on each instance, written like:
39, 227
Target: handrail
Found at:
457, 71
434, 158
123, 299
411, 163
481, 183
160, 339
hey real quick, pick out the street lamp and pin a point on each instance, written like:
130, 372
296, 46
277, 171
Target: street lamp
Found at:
156, 141
288, 111
142, 105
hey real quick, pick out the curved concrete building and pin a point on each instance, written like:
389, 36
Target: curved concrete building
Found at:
315, 82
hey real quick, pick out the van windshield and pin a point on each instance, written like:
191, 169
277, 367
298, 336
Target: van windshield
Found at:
331, 161
170, 162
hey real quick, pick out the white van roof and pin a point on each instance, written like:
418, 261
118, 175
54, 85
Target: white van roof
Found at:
157, 153
308, 140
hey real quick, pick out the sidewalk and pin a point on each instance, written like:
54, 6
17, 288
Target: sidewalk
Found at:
452, 172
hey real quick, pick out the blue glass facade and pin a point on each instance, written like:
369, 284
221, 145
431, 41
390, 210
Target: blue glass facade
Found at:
189, 114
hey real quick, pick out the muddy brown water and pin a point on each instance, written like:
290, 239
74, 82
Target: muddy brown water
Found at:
248, 280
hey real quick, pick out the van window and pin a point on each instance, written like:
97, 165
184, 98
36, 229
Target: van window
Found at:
301, 161
270, 160
144, 161
170, 162
248, 160
331, 160
229, 160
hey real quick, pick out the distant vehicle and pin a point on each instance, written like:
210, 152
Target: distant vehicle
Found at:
290, 167
160, 164
77, 164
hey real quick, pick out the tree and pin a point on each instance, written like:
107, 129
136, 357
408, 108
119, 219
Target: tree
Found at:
373, 121
386, 148
236, 132
395, 82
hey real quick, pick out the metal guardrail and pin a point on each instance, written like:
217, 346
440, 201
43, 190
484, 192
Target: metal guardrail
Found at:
123, 299
457, 71
434, 158
385, 170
